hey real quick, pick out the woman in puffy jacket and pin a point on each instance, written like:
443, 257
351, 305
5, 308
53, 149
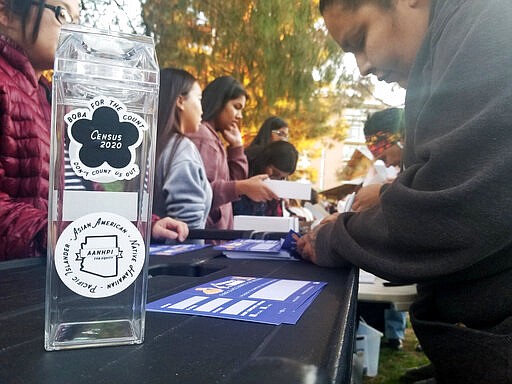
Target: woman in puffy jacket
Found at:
29, 32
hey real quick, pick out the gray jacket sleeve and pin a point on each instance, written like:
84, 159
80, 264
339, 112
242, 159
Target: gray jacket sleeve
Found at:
185, 191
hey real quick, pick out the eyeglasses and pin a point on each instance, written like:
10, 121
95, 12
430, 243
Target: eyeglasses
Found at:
61, 14
279, 133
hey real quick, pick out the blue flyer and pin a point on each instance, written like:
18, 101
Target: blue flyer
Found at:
251, 245
262, 300
283, 249
169, 250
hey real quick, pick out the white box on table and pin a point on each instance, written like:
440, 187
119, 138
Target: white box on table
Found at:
266, 223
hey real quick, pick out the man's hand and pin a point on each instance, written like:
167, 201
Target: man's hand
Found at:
330, 219
167, 228
306, 244
367, 197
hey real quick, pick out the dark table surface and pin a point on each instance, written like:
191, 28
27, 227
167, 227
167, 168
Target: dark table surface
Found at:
183, 348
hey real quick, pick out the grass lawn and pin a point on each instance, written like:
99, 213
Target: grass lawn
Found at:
392, 364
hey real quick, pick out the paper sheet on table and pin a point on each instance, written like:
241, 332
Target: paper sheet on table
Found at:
169, 250
366, 277
262, 300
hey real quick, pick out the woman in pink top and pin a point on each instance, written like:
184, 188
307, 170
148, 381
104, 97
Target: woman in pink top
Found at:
226, 168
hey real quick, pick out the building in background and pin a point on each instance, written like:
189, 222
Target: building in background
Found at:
333, 160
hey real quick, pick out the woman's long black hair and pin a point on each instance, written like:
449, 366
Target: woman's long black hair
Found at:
280, 154
217, 94
173, 84
22, 8
264, 135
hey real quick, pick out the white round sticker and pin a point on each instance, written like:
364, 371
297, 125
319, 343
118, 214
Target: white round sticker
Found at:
99, 255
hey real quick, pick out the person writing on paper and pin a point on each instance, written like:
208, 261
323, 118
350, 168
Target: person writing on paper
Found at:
444, 222
182, 190
226, 168
278, 160
383, 131
29, 32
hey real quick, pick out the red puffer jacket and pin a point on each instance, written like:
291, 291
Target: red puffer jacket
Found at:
24, 155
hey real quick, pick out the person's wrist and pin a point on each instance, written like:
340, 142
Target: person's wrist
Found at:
235, 144
239, 187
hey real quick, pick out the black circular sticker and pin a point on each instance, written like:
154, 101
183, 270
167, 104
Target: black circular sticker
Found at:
103, 139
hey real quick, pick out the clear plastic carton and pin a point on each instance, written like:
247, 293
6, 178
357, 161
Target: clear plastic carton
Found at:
104, 114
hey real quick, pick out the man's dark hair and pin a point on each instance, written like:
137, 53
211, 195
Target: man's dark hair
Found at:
389, 120
352, 5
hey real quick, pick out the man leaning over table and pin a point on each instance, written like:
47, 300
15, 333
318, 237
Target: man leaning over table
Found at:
445, 222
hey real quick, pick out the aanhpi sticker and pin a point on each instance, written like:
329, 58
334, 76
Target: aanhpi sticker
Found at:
99, 255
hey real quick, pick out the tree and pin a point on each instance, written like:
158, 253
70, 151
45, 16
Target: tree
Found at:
116, 15
273, 47
279, 50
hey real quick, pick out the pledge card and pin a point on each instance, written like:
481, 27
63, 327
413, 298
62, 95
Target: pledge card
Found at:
290, 244
282, 249
176, 249
262, 300
251, 245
